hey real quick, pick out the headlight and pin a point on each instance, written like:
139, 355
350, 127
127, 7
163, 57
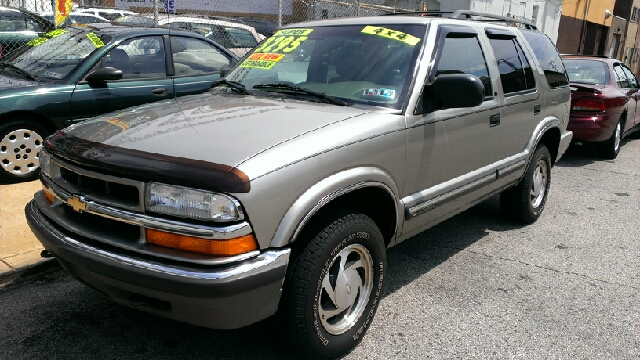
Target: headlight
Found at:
191, 203
45, 162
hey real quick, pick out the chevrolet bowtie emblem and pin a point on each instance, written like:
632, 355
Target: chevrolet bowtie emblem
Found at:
77, 204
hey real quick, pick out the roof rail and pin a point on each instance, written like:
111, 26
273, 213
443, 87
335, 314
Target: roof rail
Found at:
421, 13
466, 14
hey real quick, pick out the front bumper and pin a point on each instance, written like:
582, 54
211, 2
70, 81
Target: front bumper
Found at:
221, 297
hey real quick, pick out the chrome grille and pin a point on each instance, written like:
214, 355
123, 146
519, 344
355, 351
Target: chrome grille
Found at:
122, 193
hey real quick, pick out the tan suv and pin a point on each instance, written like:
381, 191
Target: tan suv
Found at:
280, 190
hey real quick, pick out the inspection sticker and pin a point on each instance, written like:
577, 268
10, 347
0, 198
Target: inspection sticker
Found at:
391, 34
95, 40
261, 61
387, 93
293, 32
53, 74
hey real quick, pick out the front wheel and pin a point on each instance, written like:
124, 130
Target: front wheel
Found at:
525, 201
334, 287
20, 145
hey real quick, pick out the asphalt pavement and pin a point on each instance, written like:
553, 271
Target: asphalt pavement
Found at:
476, 286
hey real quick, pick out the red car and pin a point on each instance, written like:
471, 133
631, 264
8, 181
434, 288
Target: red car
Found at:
605, 96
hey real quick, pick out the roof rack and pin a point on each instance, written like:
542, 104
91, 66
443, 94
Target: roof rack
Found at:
466, 14
421, 13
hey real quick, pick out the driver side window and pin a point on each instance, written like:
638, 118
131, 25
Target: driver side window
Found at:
138, 58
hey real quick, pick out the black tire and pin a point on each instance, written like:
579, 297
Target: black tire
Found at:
20, 144
305, 298
524, 202
611, 148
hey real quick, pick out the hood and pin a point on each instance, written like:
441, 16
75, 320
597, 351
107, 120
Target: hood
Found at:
193, 134
15, 83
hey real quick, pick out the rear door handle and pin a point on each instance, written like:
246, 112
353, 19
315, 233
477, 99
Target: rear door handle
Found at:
159, 91
536, 110
494, 120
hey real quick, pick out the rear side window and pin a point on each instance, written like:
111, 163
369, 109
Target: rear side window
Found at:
548, 57
464, 56
621, 78
633, 82
515, 72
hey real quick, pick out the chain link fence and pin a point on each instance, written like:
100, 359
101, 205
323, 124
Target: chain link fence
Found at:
235, 24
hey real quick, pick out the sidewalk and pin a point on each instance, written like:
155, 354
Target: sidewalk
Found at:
19, 248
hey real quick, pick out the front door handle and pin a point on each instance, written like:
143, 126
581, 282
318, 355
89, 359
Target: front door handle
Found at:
494, 120
159, 92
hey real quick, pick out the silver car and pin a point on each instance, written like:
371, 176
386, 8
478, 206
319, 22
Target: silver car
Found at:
280, 190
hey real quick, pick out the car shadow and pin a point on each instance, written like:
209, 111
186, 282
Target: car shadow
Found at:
90, 325
586, 154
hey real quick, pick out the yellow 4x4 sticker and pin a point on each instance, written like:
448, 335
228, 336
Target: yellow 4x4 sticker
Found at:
261, 61
391, 34
284, 41
37, 41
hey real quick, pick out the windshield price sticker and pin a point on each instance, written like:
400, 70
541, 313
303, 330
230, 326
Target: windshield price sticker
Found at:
391, 34
37, 41
284, 41
55, 33
293, 32
95, 40
261, 61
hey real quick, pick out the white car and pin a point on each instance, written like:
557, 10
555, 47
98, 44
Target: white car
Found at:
79, 17
238, 38
109, 14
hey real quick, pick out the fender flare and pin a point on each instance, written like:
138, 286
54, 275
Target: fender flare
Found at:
325, 191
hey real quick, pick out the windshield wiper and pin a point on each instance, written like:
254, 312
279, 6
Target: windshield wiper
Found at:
18, 70
297, 89
232, 84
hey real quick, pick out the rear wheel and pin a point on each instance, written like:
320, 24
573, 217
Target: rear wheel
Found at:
20, 145
525, 201
333, 287
610, 148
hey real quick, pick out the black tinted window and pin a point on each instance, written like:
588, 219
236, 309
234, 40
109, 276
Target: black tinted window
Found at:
633, 82
511, 66
548, 57
464, 56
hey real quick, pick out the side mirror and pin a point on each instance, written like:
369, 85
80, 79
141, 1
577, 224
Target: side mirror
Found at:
451, 91
104, 74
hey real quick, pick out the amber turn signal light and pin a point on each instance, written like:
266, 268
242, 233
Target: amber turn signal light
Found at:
48, 194
229, 247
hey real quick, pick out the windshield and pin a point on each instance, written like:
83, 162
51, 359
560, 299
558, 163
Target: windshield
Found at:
587, 71
357, 64
57, 53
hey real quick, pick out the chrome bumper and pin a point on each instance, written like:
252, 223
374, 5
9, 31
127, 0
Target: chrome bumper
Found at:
229, 296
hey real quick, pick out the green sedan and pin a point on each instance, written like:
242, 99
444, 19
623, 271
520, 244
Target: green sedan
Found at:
72, 74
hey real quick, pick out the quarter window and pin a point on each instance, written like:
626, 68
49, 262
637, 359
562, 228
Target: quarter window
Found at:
633, 82
515, 72
550, 61
621, 78
464, 56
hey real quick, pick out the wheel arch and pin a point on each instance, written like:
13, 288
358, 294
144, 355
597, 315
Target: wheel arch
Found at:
370, 191
30, 116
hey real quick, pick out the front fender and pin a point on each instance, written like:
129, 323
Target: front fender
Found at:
328, 189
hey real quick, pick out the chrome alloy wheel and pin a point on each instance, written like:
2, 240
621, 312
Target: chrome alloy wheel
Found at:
20, 151
346, 288
539, 183
616, 141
